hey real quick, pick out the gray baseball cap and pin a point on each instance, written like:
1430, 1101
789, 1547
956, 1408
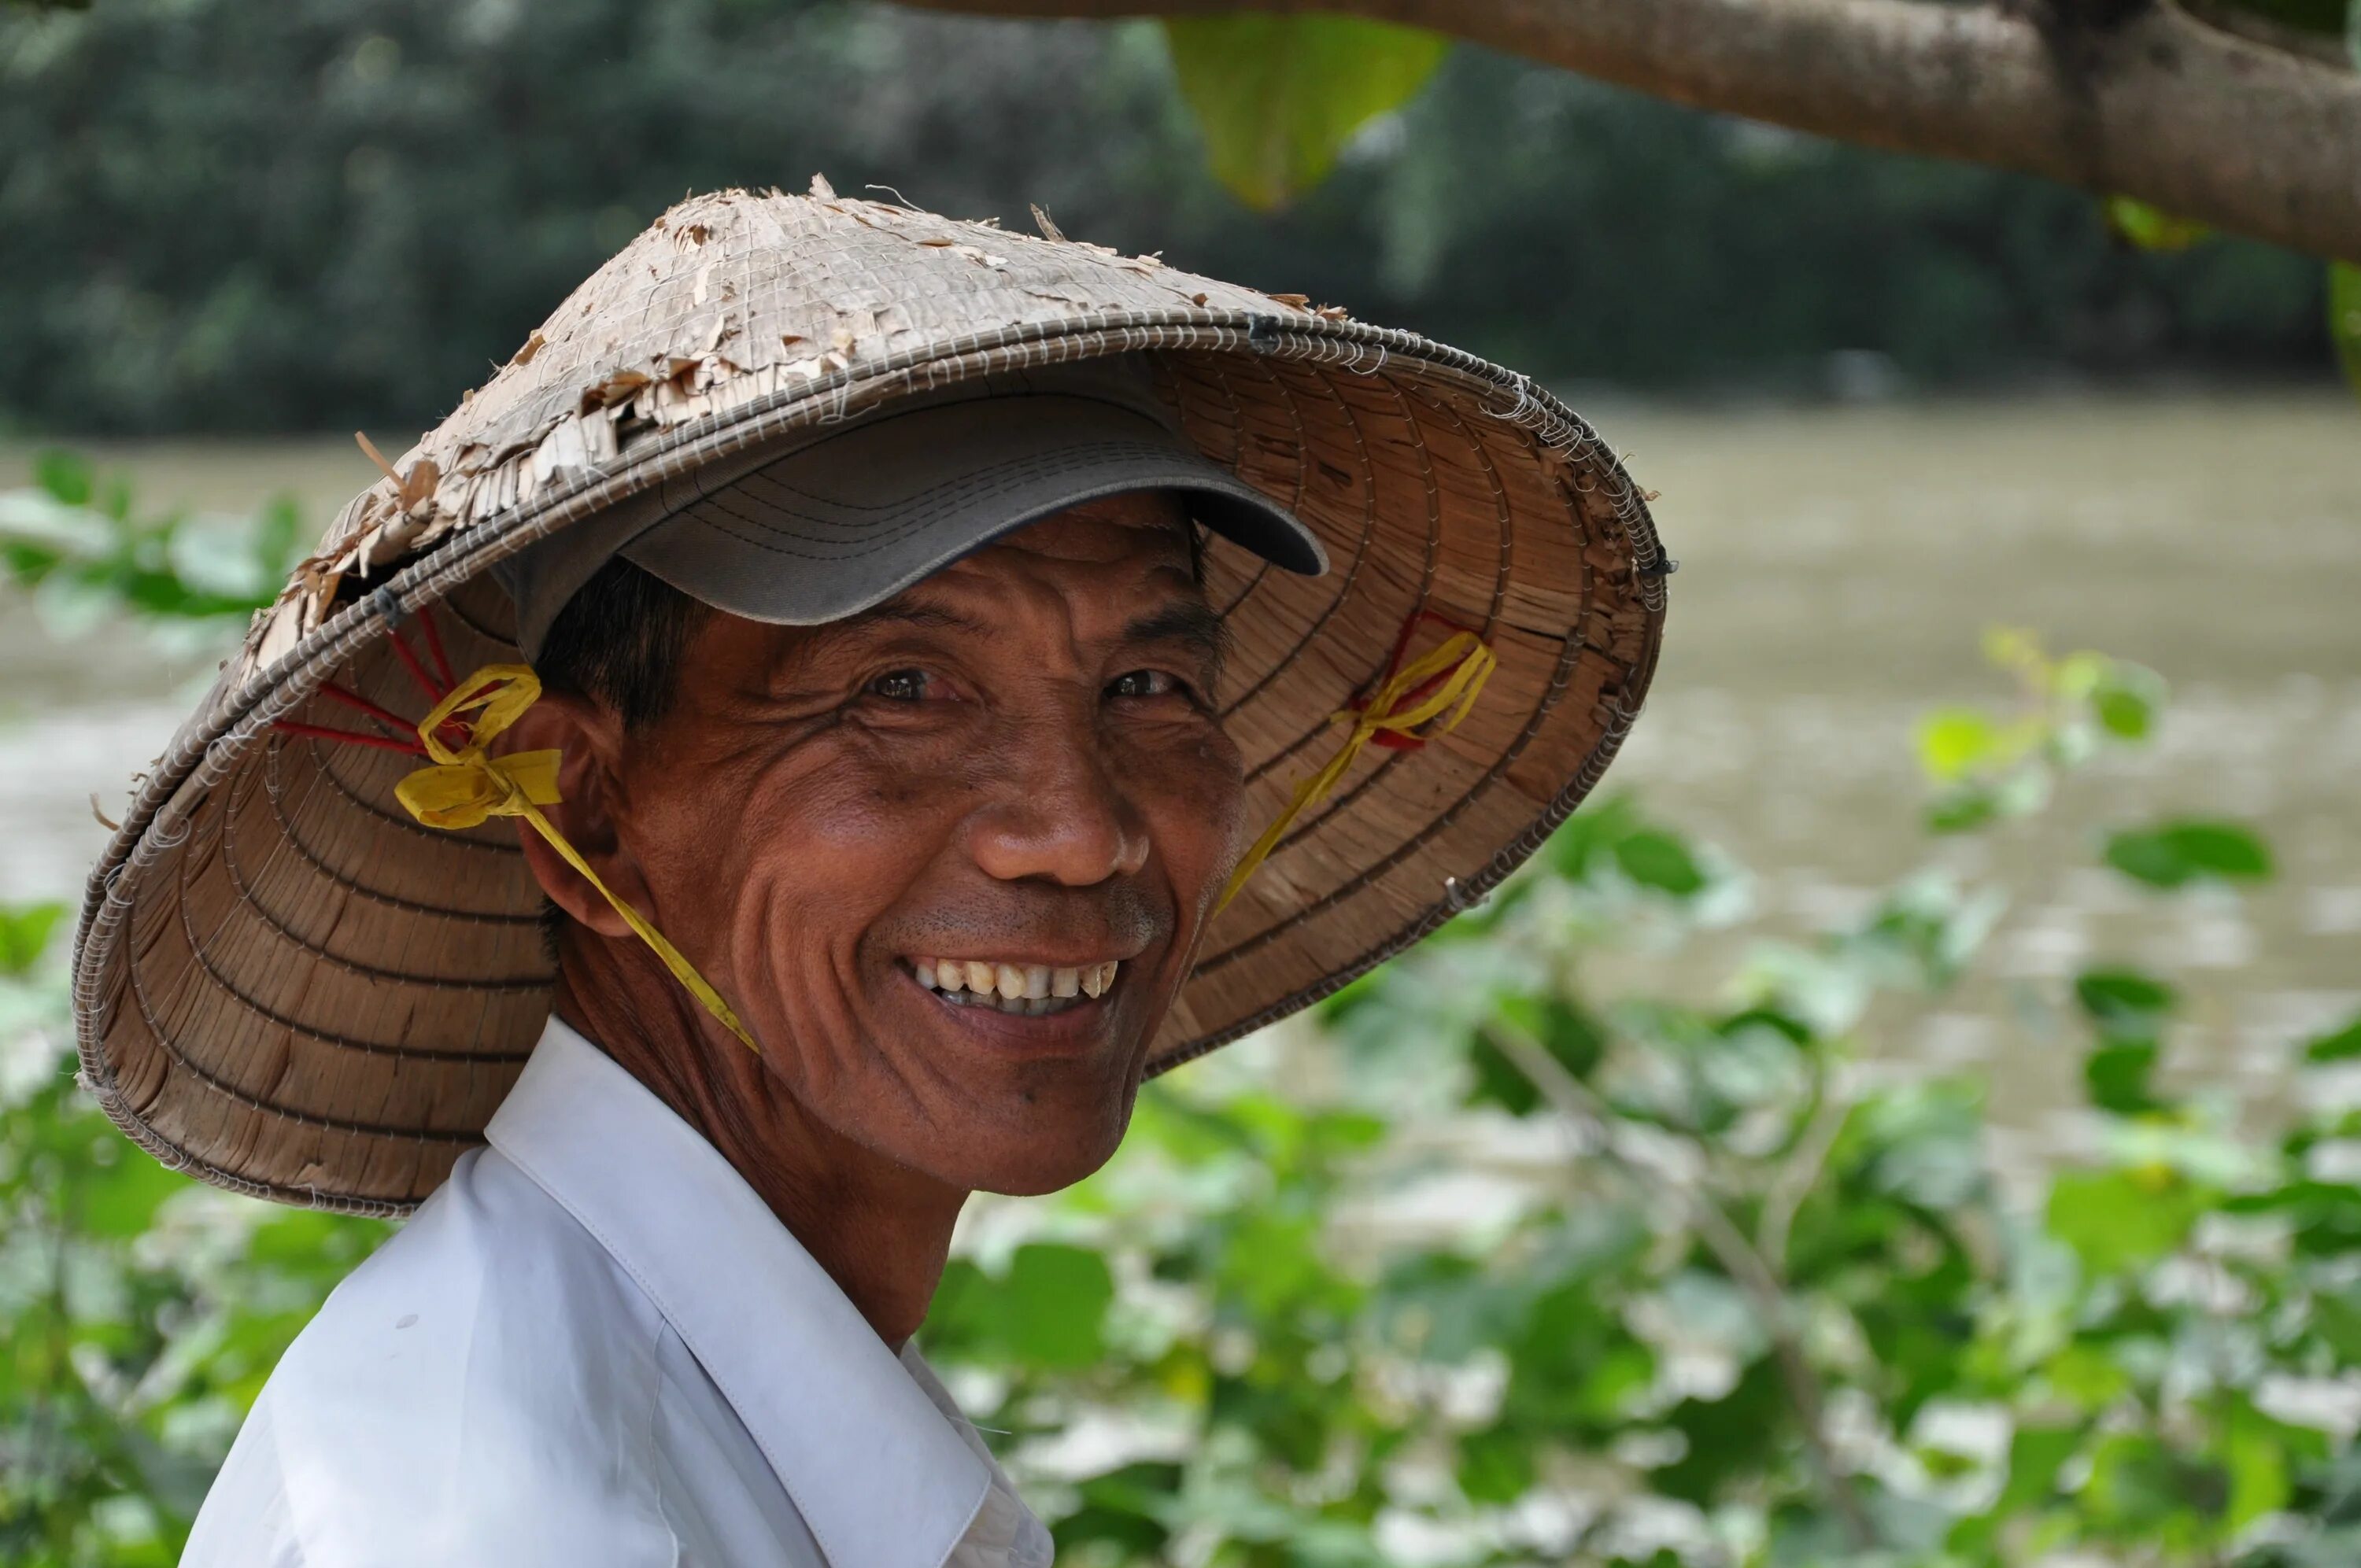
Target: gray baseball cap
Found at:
851, 513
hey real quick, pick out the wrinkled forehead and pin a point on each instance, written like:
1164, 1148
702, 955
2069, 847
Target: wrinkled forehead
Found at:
1101, 570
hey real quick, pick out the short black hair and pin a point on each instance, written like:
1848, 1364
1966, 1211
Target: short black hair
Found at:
619, 641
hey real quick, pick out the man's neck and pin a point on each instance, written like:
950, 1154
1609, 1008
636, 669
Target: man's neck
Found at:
882, 1231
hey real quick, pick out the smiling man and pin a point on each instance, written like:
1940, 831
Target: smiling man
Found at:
854, 698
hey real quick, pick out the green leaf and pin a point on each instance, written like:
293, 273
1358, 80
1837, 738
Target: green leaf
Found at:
1051, 1311
2344, 285
1956, 742
118, 1200
2125, 711
65, 476
2152, 228
2123, 1001
1125, 1509
2338, 1045
2257, 1459
1963, 810
1574, 1037
1278, 96
277, 542
25, 932
960, 1320
2116, 1220
2117, 1074
1655, 858
2087, 1375
1495, 1466
2179, 853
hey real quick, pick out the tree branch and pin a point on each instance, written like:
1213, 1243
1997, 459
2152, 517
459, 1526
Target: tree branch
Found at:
2159, 105
1573, 1099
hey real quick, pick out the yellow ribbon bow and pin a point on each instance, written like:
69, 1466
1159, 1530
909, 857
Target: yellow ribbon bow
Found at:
464, 787
1457, 669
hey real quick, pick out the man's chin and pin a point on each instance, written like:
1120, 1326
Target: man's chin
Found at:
1028, 1146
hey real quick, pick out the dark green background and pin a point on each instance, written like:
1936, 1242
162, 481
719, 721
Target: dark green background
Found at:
313, 214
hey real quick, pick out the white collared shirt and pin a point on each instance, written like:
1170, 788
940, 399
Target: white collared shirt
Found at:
595, 1347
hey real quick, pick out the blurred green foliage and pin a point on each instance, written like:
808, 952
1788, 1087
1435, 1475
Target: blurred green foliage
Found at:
73, 539
2345, 287
138, 1315
324, 214
1528, 1271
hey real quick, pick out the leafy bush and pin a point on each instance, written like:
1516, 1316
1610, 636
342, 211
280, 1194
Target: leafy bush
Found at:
1739, 1298
1511, 1269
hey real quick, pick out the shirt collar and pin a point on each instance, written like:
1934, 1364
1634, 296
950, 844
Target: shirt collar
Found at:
880, 1475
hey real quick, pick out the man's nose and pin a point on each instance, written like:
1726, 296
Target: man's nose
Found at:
1061, 813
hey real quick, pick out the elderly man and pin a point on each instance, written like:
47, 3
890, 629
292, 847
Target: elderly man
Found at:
856, 693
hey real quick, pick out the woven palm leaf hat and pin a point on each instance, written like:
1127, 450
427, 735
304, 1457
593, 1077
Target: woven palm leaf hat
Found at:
286, 985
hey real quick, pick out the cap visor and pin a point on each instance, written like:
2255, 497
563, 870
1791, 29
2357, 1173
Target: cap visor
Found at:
842, 525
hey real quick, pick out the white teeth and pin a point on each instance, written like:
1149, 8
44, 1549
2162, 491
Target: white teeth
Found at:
1024, 989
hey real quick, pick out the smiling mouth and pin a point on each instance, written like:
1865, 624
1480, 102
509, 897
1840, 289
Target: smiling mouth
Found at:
1027, 990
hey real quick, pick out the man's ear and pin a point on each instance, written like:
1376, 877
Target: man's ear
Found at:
589, 738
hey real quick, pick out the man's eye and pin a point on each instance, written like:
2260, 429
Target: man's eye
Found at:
1143, 683
903, 685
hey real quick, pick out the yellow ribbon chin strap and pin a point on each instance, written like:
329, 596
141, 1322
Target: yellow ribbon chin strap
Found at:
464, 787
1438, 689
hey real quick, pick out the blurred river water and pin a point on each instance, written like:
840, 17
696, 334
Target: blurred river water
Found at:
1838, 568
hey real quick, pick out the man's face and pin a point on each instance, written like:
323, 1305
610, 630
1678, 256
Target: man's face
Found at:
1010, 777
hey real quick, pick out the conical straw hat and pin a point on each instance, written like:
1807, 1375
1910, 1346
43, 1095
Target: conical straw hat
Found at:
287, 986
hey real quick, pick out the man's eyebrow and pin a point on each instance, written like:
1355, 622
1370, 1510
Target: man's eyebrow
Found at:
895, 613
1190, 622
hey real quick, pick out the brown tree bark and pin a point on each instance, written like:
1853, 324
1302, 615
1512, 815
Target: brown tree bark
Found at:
2137, 99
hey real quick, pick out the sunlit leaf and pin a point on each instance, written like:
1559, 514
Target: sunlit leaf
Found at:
2179, 853
2114, 1220
2126, 701
2152, 228
2258, 1462
2345, 284
25, 933
1278, 96
1956, 742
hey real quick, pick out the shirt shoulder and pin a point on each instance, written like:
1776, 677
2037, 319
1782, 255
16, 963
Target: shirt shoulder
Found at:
481, 1391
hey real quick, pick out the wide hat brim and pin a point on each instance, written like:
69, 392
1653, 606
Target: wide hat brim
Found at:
287, 986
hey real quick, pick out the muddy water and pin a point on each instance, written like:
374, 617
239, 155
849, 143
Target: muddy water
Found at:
1836, 569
